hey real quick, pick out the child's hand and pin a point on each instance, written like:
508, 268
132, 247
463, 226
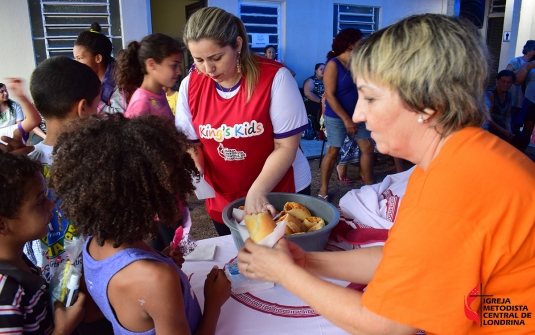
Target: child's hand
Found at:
16, 87
14, 145
176, 255
216, 288
67, 319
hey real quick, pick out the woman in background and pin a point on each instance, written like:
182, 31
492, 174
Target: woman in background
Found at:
312, 92
10, 111
341, 98
271, 53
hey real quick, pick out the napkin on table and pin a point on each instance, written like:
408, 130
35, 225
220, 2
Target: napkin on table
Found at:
203, 252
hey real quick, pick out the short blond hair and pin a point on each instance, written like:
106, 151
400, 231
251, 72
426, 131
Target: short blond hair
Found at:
434, 61
223, 28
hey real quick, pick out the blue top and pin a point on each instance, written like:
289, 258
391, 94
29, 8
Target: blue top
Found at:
99, 273
346, 91
108, 82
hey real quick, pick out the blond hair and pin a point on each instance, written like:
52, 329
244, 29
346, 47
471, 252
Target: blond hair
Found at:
433, 61
223, 28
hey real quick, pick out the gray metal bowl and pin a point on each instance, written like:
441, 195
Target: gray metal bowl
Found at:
314, 241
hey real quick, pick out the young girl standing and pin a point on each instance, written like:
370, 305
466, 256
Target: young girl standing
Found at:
144, 68
94, 50
138, 289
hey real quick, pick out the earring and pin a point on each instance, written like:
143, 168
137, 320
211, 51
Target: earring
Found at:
198, 71
238, 63
421, 119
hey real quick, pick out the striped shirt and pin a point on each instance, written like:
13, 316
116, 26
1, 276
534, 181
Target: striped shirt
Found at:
23, 301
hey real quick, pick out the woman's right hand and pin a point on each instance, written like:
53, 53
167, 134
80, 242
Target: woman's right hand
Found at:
351, 127
216, 287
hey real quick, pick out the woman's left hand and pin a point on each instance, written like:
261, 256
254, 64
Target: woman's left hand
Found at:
263, 263
256, 202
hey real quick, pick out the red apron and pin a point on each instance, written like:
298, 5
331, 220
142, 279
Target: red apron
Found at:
237, 137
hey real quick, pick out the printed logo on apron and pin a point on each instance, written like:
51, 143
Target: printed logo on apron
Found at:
230, 154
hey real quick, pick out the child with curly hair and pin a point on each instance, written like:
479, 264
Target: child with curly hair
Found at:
25, 212
115, 177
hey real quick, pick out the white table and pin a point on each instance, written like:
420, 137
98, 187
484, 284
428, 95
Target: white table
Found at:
273, 311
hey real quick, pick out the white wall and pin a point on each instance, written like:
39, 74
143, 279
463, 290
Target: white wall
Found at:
309, 33
17, 56
135, 20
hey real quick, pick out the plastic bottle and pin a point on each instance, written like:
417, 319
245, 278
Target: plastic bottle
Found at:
72, 287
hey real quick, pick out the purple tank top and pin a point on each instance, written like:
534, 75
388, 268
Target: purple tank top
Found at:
346, 91
98, 274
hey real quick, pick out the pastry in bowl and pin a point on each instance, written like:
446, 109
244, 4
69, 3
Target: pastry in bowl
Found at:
293, 225
313, 223
297, 210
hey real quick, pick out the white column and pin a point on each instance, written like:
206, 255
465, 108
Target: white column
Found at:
17, 56
454, 7
136, 20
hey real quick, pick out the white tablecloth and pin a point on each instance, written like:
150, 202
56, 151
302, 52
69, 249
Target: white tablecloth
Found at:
273, 311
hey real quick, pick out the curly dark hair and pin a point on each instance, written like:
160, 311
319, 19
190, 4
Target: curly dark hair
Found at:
114, 175
16, 177
131, 61
345, 38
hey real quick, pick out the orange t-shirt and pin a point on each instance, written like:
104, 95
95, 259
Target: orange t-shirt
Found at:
468, 219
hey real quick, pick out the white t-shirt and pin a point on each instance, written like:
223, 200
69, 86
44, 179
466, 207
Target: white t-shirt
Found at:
8, 117
285, 97
49, 252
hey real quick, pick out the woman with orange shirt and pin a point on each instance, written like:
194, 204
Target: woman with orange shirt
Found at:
464, 228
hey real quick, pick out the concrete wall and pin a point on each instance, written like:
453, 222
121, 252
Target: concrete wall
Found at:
309, 33
169, 16
17, 56
135, 20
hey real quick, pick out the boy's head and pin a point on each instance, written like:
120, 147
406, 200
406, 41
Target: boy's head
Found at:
61, 86
113, 175
25, 211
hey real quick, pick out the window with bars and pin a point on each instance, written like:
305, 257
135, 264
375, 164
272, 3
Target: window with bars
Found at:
56, 24
497, 6
262, 22
364, 18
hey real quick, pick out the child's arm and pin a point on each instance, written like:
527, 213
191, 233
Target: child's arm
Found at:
37, 131
67, 319
216, 293
15, 145
33, 118
164, 302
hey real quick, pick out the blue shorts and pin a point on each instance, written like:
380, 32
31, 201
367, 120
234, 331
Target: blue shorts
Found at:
336, 131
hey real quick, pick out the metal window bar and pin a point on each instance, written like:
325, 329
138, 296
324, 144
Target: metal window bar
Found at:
76, 12
252, 14
497, 6
357, 12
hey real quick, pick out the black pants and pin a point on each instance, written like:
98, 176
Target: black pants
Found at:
223, 230
314, 109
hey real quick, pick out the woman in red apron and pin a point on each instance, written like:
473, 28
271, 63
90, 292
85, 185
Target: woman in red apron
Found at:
244, 114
